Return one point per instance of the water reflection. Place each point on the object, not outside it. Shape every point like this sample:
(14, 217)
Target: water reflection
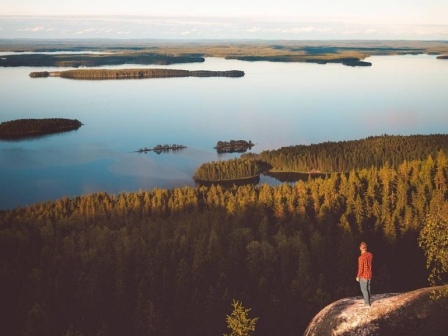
(294, 177)
(229, 184)
(34, 136)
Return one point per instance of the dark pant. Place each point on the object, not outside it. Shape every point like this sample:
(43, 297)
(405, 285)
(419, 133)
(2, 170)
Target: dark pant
(365, 289)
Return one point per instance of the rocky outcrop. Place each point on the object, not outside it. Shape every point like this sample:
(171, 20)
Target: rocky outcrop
(412, 314)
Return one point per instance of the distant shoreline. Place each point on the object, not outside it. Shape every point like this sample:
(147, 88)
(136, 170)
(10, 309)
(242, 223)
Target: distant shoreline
(162, 52)
(348, 61)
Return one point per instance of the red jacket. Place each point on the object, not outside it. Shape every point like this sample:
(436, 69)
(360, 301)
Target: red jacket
(365, 265)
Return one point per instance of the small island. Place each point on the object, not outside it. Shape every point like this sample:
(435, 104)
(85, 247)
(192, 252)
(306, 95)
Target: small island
(233, 146)
(24, 128)
(94, 74)
(161, 148)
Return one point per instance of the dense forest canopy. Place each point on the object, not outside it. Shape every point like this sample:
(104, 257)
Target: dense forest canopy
(326, 158)
(227, 170)
(343, 156)
(170, 262)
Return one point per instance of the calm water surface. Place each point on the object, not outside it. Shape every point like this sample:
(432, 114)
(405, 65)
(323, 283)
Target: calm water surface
(274, 105)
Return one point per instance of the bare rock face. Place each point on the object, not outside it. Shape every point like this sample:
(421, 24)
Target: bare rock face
(411, 314)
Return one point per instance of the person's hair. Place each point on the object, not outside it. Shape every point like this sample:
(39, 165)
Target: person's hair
(363, 245)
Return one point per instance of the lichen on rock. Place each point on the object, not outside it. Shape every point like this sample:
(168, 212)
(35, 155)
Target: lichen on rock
(411, 314)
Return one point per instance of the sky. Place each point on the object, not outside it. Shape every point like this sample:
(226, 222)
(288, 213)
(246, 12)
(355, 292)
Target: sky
(228, 19)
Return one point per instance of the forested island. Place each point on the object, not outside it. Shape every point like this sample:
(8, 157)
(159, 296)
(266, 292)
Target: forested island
(232, 146)
(170, 261)
(161, 148)
(23, 128)
(94, 74)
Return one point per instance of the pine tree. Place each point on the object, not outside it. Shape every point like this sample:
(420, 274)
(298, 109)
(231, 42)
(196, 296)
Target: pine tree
(433, 240)
(239, 322)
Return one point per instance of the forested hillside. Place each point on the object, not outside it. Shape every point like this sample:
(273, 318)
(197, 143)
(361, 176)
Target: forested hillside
(170, 262)
(343, 156)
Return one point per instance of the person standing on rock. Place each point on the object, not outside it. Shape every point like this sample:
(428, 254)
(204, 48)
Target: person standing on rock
(364, 274)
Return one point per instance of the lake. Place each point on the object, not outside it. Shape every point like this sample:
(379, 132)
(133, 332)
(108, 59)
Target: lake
(273, 105)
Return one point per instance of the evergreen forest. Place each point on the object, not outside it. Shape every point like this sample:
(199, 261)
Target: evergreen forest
(343, 156)
(172, 261)
(326, 158)
(227, 170)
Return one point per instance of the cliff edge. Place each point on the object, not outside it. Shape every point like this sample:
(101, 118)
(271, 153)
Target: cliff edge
(412, 314)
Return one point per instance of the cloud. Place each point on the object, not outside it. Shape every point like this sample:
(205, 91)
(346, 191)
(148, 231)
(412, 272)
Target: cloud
(305, 30)
(99, 31)
(351, 32)
(189, 22)
(105, 30)
(191, 31)
(35, 29)
(85, 31)
(31, 29)
(293, 30)
(423, 32)
(254, 30)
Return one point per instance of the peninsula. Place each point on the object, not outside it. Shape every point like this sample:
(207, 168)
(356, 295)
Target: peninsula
(94, 74)
(23, 128)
